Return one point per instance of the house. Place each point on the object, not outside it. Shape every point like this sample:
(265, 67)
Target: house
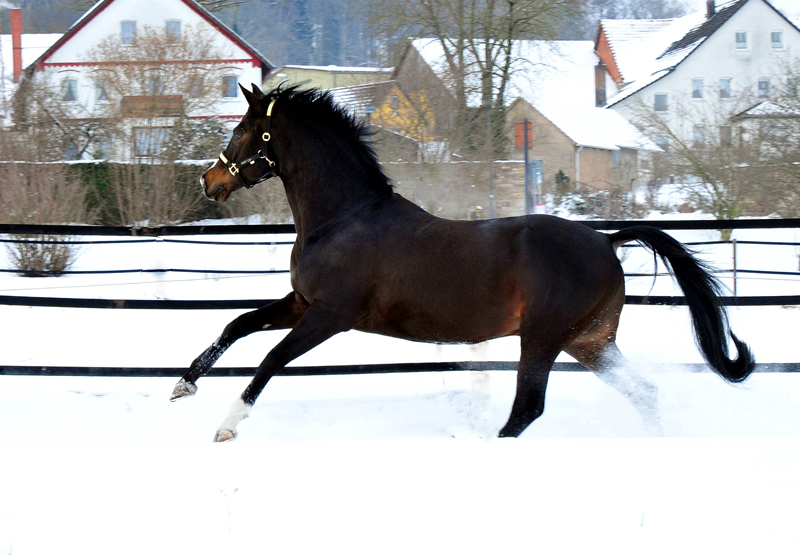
(554, 87)
(211, 57)
(325, 77)
(697, 72)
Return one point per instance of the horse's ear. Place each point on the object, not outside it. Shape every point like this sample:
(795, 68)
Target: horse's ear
(252, 100)
(257, 91)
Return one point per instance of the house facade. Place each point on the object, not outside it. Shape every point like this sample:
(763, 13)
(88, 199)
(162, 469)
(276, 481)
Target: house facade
(695, 73)
(102, 66)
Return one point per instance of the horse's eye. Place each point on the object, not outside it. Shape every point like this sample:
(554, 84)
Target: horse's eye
(237, 135)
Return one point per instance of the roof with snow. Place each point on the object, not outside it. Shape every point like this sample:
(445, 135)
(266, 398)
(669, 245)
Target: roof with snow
(637, 43)
(357, 97)
(33, 45)
(653, 58)
(101, 5)
(543, 72)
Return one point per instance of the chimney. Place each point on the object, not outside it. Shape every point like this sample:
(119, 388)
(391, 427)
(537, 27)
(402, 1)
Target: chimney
(711, 9)
(16, 41)
(600, 84)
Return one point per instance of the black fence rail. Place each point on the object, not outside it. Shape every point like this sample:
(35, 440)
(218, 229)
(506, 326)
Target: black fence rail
(149, 235)
(341, 370)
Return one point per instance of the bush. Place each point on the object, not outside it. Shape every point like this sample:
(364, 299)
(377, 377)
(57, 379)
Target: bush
(40, 193)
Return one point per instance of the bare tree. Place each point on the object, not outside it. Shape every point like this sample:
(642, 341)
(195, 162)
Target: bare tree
(724, 158)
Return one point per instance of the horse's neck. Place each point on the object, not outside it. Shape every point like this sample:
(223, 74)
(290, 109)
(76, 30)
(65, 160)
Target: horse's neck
(321, 189)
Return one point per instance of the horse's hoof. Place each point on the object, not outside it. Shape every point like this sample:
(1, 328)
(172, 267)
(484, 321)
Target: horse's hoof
(224, 435)
(183, 389)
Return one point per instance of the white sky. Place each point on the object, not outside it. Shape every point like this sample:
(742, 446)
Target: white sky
(790, 8)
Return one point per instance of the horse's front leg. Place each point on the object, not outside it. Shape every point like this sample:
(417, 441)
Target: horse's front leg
(280, 314)
(319, 323)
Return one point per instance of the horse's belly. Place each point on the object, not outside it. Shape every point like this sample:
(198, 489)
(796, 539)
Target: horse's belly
(441, 327)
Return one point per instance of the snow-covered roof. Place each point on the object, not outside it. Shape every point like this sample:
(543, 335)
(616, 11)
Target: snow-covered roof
(356, 98)
(33, 45)
(544, 73)
(598, 128)
(556, 78)
(768, 109)
(341, 69)
(637, 43)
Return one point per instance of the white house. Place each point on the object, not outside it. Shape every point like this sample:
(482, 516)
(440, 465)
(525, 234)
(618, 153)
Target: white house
(67, 67)
(688, 69)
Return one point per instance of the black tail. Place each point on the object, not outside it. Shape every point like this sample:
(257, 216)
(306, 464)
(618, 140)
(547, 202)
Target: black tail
(701, 290)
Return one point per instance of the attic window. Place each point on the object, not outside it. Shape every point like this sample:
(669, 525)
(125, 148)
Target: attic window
(660, 104)
(741, 40)
(174, 30)
(128, 32)
(394, 102)
(777, 40)
(69, 89)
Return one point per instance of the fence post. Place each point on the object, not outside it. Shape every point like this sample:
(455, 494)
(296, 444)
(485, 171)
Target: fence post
(734, 268)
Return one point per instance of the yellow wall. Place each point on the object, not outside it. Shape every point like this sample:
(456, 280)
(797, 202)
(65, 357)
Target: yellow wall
(324, 78)
(412, 119)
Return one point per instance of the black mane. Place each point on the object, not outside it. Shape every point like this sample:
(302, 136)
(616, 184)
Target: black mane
(320, 106)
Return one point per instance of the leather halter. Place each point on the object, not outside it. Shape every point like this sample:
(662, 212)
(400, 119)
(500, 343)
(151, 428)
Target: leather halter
(235, 167)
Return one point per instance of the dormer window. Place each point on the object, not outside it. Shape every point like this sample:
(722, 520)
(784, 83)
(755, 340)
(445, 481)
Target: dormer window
(128, 32)
(777, 40)
(741, 40)
(174, 30)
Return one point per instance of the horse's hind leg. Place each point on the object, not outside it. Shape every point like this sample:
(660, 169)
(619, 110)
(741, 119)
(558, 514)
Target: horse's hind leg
(610, 365)
(281, 314)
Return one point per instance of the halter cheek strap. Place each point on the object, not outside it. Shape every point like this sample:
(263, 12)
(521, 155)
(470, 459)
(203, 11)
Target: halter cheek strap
(235, 167)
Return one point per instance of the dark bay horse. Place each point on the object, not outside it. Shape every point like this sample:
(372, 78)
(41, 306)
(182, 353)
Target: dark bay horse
(368, 259)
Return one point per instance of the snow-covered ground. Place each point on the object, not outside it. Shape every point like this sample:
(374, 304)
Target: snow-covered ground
(385, 463)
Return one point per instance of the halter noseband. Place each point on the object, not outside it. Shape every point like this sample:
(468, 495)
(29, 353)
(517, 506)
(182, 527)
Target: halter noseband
(234, 167)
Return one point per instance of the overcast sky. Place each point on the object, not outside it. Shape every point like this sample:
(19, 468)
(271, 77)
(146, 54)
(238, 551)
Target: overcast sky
(790, 8)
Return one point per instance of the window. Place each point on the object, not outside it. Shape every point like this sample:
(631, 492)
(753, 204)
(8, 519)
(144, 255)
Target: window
(763, 87)
(617, 154)
(663, 142)
(697, 88)
(791, 86)
(100, 93)
(394, 102)
(660, 104)
(155, 85)
(726, 135)
(777, 40)
(69, 89)
(149, 141)
(229, 86)
(725, 87)
(741, 40)
(519, 137)
(699, 136)
(174, 30)
(128, 29)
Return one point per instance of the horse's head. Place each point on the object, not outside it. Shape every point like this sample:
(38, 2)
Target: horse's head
(246, 160)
